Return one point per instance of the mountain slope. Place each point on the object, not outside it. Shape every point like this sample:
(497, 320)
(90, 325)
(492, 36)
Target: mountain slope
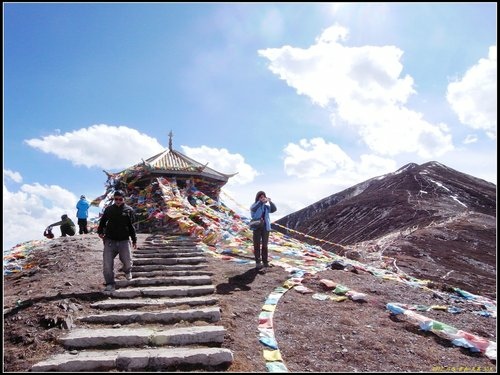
(429, 220)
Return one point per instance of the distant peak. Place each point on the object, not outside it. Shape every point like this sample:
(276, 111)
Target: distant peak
(434, 164)
(407, 167)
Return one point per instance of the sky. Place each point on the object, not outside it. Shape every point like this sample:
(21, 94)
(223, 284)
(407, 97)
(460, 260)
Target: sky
(302, 100)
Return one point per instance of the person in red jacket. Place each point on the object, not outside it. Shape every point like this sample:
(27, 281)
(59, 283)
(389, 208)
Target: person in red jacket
(115, 228)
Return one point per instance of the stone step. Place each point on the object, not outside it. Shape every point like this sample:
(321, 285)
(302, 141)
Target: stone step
(166, 240)
(187, 260)
(171, 245)
(162, 250)
(123, 337)
(163, 291)
(170, 276)
(173, 242)
(110, 304)
(167, 267)
(165, 254)
(207, 314)
(168, 248)
(156, 359)
(169, 280)
(139, 274)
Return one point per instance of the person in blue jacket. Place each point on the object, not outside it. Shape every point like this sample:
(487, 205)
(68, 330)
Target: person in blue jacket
(260, 210)
(82, 214)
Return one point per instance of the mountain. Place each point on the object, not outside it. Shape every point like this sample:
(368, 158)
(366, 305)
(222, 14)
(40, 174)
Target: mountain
(428, 220)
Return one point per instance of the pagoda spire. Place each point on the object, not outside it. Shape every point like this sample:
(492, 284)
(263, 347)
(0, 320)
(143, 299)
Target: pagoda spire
(170, 136)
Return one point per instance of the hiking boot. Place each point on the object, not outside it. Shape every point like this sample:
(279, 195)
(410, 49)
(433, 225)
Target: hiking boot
(258, 264)
(128, 276)
(266, 265)
(109, 288)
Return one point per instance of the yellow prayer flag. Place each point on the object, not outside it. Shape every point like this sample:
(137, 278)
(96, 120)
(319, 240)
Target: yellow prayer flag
(272, 355)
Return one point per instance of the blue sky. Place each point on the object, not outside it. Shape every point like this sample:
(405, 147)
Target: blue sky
(302, 100)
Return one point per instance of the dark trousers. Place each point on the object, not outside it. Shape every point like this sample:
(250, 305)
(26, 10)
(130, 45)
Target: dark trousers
(260, 236)
(67, 230)
(82, 225)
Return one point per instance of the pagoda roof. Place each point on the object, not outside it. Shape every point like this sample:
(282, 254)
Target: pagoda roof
(171, 161)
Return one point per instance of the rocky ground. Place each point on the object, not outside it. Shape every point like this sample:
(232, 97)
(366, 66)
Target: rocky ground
(313, 335)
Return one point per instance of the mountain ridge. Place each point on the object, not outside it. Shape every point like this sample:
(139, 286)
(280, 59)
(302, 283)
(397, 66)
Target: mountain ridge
(415, 216)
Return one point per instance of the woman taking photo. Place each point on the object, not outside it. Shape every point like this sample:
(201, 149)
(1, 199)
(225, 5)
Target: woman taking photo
(260, 210)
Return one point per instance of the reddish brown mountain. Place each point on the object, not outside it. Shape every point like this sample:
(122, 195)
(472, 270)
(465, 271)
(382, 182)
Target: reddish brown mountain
(432, 221)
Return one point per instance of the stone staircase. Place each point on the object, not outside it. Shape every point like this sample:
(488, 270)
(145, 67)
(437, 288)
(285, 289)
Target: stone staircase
(164, 319)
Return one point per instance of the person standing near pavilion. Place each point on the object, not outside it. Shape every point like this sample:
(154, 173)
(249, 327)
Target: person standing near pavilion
(82, 214)
(260, 210)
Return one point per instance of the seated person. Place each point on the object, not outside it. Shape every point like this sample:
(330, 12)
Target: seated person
(67, 226)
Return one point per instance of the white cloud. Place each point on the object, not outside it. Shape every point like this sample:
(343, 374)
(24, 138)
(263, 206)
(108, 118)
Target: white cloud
(392, 131)
(364, 87)
(329, 71)
(313, 158)
(223, 161)
(332, 34)
(371, 166)
(104, 146)
(474, 96)
(296, 192)
(27, 212)
(470, 138)
(318, 170)
(14, 176)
